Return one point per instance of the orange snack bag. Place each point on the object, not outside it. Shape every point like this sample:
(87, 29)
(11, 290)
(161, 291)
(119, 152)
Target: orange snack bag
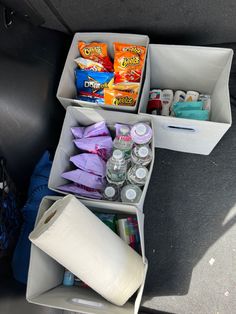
(127, 66)
(92, 50)
(125, 61)
(131, 87)
(140, 50)
(119, 98)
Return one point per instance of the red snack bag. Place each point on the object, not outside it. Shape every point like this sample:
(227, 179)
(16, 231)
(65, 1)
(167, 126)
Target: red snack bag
(106, 63)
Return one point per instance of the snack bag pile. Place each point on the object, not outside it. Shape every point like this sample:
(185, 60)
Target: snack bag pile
(98, 81)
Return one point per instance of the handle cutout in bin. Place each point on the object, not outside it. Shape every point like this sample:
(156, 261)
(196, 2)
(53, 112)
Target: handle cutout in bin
(86, 302)
(181, 128)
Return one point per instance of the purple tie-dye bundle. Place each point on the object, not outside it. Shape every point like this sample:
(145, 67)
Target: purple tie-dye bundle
(89, 179)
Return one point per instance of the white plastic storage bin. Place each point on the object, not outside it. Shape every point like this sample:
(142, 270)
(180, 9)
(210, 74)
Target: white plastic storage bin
(186, 68)
(45, 276)
(66, 92)
(76, 116)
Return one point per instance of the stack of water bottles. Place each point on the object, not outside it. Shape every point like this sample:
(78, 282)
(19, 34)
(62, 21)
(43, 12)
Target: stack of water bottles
(127, 168)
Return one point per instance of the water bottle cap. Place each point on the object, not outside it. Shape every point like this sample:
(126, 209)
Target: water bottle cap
(141, 129)
(141, 173)
(110, 191)
(143, 152)
(118, 154)
(124, 130)
(131, 194)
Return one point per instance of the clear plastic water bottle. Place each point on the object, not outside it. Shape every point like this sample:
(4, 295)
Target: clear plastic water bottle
(137, 175)
(111, 192)
(141, 133)
(131, 194)
(116, 168)
(123, 141)
(141, 155)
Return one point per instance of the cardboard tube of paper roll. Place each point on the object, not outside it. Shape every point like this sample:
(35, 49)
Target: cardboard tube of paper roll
(71, 234)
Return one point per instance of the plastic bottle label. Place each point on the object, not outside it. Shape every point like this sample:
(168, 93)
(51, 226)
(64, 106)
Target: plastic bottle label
(116, 176)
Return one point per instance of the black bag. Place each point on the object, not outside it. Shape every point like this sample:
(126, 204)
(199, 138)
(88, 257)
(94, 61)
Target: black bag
(10, 217)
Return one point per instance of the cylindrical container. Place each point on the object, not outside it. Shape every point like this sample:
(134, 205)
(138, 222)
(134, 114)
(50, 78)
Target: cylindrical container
(154, 104)
(131, 193)
(116, 168)
(141, 133)
(137, 175)
(111, 192)
(178, 97)
(191, 96)
(73, 236)
(68, 279)
(123, 141)
(166, 100)
(206, 101)
(141, 155)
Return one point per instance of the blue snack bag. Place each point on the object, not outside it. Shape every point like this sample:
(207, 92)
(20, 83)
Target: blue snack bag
(91, 83)
(96, 100)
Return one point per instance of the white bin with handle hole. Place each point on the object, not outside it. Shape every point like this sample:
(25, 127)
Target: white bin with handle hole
(202, 69)
(45, 276)
(66, 92)
(76, 116)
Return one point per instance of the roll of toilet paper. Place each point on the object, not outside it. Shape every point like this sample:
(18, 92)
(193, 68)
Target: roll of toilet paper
(71, 234)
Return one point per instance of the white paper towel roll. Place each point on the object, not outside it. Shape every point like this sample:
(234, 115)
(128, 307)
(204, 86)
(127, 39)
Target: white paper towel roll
(71, 234)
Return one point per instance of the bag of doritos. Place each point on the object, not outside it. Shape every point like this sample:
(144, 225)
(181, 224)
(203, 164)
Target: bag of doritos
(119, 98)
(140, 50)
(91, 83)
(127, 67)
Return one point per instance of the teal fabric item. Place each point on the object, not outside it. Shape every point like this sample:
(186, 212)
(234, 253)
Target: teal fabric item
(193, 114)
(188, 105)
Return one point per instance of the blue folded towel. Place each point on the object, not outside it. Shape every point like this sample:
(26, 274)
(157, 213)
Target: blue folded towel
(37, 190)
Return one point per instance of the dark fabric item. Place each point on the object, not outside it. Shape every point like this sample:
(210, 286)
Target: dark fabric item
(166, 21)
(37, 190)
(31, 61)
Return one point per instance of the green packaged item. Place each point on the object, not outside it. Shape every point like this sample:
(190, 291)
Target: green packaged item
(193, 114)
(188, 105)
(108, 219)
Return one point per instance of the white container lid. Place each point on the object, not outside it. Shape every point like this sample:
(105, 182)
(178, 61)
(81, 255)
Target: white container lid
(110, 191)
(141, 173)
(141, 129)
(118, 154)
(130, 194)
(143, 152)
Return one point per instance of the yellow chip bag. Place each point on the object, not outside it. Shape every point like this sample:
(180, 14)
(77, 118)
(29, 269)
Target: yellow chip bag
(131, 87)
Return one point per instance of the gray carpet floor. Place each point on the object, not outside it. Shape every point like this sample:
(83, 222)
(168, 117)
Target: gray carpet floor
(190, 235)
(190, 231)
